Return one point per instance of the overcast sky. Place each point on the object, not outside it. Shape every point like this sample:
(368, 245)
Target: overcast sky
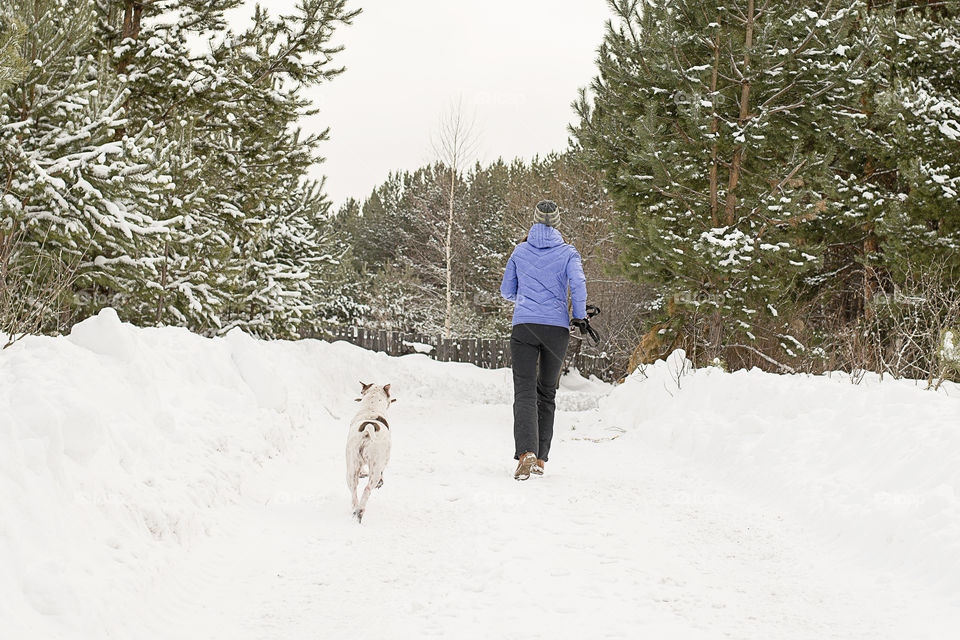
(516, 65)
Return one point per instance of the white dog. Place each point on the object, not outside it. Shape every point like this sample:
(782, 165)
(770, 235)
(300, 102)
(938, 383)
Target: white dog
(368, 443)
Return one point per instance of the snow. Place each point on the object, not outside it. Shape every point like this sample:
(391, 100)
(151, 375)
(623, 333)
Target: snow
(948, 129)
(157, 484)
(950, 350)
(418, 347)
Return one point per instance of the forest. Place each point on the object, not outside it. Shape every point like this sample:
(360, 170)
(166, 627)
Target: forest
(769, 184)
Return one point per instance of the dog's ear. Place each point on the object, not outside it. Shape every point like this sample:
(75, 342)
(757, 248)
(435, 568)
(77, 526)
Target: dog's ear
(386, 389)
(365, 386)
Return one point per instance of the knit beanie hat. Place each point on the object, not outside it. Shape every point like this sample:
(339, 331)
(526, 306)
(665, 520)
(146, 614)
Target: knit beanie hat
(547, 212)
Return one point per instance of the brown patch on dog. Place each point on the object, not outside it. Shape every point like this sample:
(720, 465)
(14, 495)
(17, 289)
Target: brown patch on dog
(376, 425)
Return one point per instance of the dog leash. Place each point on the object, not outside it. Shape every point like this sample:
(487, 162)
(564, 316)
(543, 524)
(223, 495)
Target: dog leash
(584, 326)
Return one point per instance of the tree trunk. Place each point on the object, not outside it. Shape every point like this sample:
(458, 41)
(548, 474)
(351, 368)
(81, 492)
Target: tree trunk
(449, 310)
(731, 205)
(163, 281)
(714, 127)
(870, 283)
(132, 13)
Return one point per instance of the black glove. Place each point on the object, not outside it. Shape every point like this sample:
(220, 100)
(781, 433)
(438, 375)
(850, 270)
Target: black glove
(585, 329)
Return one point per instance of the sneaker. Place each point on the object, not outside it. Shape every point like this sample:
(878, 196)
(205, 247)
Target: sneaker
(537, 469)
(526, 463)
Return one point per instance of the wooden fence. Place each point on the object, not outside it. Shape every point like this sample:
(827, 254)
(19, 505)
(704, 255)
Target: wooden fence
(484, 352)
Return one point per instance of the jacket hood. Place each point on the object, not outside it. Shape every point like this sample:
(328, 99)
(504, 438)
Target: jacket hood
(543, 237)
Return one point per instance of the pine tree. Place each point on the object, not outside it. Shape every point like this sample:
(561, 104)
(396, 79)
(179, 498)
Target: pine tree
(394, 242)
(245, 248)
(901, 169)
(169, 88)
(12, 66)
(82, 183)
(892, 263)
(712, 123)
(373, 228)
(484, 249)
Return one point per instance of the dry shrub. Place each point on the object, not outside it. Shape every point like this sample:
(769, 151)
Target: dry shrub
(899, 331)
(35, 288)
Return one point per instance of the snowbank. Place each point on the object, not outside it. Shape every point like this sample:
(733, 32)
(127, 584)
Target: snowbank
(117, 442)
(873, 464)
(120, 448)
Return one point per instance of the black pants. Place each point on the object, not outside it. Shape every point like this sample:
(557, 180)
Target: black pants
(535, 387)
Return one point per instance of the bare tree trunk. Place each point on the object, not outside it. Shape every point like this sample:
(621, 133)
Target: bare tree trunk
(455, 141)
(132, 13)
(731, 205)
(714, 128)
(449, 262)
(870, 247)
(163, 281)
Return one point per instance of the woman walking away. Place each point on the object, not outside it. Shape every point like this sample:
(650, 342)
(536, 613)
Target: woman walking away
(536, 280)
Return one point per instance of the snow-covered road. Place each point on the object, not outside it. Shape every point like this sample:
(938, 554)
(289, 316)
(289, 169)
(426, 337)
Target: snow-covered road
(633, 531)
(614, 541)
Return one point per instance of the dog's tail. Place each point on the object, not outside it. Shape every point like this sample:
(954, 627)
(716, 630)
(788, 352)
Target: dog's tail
(365, 427)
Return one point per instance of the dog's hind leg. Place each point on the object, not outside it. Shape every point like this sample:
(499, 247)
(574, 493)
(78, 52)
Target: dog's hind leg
(372, 481)
(352, 485)
(353, 479)
(359, 511)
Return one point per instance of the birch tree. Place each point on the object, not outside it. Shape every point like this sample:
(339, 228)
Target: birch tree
(454, 144)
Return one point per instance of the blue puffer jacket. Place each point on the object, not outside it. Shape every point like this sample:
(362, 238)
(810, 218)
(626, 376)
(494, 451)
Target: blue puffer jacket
(537, 276)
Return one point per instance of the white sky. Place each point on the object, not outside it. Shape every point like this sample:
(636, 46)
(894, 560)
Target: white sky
(516, 65)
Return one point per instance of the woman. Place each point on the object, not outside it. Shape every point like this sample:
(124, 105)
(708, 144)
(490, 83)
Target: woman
(536, 280)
